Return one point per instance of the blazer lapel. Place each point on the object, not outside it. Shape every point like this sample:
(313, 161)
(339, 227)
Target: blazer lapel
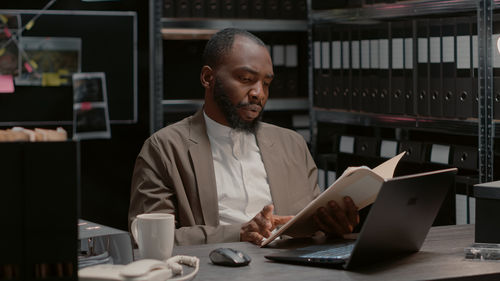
(201, 156)
(274, 167)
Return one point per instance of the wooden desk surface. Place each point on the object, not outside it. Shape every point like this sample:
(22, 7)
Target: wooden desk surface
(441, 257)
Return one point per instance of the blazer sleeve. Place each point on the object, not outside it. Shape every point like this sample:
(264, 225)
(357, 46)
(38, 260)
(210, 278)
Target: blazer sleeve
(154, 191)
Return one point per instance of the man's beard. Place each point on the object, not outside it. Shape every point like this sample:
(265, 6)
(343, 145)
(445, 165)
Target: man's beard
(230, 111)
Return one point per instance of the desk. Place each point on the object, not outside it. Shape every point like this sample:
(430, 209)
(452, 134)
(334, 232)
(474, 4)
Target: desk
(441, 257)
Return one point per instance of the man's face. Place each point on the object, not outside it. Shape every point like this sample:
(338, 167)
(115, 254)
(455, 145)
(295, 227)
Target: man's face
(241, 86)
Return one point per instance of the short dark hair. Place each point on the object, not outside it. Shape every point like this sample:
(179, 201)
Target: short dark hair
(221, 43)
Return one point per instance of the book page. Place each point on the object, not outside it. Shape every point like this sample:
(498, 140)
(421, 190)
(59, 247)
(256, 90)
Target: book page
(360, 183)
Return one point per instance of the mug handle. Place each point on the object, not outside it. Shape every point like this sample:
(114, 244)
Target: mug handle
(133, 229)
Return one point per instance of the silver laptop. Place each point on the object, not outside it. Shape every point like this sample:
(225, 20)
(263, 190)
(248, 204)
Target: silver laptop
(397, 224)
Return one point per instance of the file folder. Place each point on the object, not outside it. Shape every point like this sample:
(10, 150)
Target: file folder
(287, 9)
(316, 54)
(243, 8)
(183, 9)
(410, 61)
(168, 8)
(464, 73)
(435, 56)
(398, 67)
(257, 8)
(212, 8)
(198, 9)
(423, 67)
(228, 8)
(356, 74)
(449, 67)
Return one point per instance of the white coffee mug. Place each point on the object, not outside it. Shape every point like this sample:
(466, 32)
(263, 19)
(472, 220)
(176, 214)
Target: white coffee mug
(154, 234)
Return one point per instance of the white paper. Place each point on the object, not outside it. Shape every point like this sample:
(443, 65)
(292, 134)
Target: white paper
(397, 53)
(475, 54)
(435, 49)
(448, 49)
(346, 55)
(383, 45)
(336, 55)
(325, 55)
(388, 148)
(461, 209)
(365, 54)
(291, 57)
(317, 54)
(463, 52)
(346, 144)
(355, 54)
(494, 48)
(374, 54)
(408, 53)
(423, 54)
(440, 153)
(278, 55)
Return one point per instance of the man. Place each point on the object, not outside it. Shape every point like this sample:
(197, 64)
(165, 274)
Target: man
(224, 174)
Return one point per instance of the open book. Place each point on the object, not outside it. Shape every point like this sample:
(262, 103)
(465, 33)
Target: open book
(362, 184)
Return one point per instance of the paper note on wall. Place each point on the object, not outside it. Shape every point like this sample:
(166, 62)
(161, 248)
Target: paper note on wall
(6, 84)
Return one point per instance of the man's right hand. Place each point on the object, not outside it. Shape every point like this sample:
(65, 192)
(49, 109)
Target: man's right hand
(261, 225)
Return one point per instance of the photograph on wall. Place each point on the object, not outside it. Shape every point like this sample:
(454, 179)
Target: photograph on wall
(90, 106)
(49, 61)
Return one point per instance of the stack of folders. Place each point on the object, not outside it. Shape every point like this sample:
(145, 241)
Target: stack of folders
(423, 67)
(259, 9)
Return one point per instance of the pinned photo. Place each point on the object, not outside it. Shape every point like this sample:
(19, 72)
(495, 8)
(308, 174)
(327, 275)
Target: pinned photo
(90, 106)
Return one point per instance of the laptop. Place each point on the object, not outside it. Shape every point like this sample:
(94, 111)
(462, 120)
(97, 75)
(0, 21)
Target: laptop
(397, 224)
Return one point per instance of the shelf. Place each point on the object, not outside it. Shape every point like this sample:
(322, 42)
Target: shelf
(198, 29)
(441, 125)
(394, 10)
(284, 104)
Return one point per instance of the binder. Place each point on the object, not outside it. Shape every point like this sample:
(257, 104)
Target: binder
(415, 151)
(227, 8)
(316, 55)
(435, 56)
(423, 67)
(449, 67)
(496, 66)
(475, 64)
(356, 77)
(301, 9)
(384, 72)
(366, 146)
(410, 61)
(212, 8)
(465, 157)
(291, 69)
(326, 78)
(198, 9)
(278, 56)
(183, 9)
(257, 9)
(346, 91)
(464, 71)
(287, 9)
(168, 8)
(272, 9)
(243, 8)
(369, 82)
(336, 68)
(398, 35)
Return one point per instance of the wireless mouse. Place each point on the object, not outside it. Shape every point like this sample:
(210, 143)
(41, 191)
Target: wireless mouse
(229, 257)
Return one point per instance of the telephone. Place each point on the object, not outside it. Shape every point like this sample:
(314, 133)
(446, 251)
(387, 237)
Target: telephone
(141, 270)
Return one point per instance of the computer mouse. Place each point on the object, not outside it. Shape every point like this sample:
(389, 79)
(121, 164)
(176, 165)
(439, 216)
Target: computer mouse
(229, 257)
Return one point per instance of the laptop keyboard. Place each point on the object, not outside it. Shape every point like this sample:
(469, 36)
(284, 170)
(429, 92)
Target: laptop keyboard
(342, 252)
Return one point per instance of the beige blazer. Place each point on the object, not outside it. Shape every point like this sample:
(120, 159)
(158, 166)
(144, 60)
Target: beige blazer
(174, 173)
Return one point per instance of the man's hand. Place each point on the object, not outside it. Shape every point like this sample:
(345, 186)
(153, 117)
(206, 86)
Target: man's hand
(261, 225)
(335, 220)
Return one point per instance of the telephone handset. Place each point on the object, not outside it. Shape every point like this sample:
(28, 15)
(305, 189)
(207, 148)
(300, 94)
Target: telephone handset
(141, 270)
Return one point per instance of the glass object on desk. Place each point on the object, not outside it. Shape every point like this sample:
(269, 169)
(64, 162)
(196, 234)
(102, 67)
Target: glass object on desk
(483, 252)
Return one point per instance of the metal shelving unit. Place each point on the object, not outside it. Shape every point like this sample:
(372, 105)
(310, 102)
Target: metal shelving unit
(483, 127)
(202, 29)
